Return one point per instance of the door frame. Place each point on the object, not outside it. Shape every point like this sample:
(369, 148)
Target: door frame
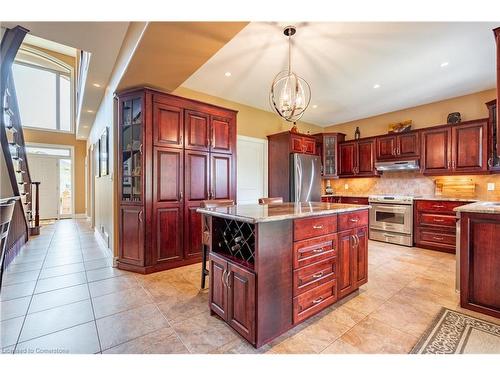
(72, 157)
(265, 165)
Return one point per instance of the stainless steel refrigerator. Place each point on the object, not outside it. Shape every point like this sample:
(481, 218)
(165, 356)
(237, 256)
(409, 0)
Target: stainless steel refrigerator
(305, 178)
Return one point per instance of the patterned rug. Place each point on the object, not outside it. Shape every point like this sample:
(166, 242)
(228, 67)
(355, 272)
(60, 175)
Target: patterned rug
(456, 333)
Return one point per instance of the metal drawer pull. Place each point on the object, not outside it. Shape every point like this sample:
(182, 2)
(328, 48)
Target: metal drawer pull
(438, 238)
(223, 278)
(317, 226)
(320, 250)
(317, 275)
(316, 301)
(388, 235)
(438, 206)
(439, 220)
(353, 220)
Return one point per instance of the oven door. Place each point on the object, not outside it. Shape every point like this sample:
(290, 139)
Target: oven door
(391, 217)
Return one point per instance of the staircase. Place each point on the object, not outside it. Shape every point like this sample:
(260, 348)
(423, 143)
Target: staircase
(25, 221)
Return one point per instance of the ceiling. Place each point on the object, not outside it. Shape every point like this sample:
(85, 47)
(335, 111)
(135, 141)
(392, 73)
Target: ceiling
(344, 61)
(169, 52)
(102, 39)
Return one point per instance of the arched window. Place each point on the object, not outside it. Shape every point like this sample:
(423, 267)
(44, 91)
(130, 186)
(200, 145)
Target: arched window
(44, 90)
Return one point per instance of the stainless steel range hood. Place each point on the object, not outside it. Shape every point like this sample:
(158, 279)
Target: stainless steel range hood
(401, 165)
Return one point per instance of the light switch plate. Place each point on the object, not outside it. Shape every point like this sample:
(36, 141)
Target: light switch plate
(491, 186)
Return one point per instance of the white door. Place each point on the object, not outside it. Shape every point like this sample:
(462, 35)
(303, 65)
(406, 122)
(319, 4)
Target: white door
(45, 169)
(252, 169)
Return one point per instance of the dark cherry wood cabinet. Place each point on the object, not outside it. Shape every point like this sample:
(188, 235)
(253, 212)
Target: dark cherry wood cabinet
(327, 148)
(435, 224)
(398, 146)
(357, 158)
(460, 149)
(175, 153)
(493, 137)
(470, 147)
(280, 146)
(480, 262)
(436, 151)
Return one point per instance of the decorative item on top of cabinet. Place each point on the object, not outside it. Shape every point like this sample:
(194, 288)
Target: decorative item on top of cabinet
(357, 158)
(456, 149)
(454, 118)
(327, 146)
(175, 153)
(357, 133)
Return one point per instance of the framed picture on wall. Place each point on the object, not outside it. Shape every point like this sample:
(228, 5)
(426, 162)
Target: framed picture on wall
(104, 153)
(95, 155)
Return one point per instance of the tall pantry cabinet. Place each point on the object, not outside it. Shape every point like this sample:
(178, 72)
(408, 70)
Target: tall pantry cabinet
(173, 154)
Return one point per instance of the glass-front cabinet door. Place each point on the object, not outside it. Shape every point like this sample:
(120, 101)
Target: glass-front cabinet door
(330, 156)
(131, 127)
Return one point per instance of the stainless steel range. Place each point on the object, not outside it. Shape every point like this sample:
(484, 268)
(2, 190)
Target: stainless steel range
(391, 219)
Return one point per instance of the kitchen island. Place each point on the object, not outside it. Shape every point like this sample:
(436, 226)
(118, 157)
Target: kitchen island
(274, 266)
(478, 257)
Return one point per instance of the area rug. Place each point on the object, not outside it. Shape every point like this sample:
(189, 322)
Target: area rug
(456, 333)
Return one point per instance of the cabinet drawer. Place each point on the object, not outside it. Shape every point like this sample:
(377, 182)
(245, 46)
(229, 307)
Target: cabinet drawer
(435, 219)
(353, 220)
(354, 200)
(313, 301)
(314, 227)
(438, 206)
(436, 237)
(311, 276)
(311, 251)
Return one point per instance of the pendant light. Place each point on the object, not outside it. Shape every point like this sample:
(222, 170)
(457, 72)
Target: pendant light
(290, 94)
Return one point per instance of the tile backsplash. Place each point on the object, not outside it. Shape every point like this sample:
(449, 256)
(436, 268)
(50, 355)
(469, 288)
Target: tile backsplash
(412, 183)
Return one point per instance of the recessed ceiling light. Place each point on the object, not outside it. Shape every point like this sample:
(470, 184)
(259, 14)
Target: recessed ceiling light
(96, 85)
(85, 126)
(376, 86)
(227, 74)
(315, 106)
(90, 111)
(443, 64)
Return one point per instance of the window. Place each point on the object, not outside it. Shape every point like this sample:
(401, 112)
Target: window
(48, 151)
(44, 97)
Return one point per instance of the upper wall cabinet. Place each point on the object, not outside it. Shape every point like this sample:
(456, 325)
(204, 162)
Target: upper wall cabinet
(169, 127)
(398, 146)
(460, 148)
(357, 158)
(327, 147)
(205, 132)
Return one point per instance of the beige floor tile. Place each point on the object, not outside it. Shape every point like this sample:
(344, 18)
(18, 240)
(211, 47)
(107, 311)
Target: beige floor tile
(204, 333)
(296, 344)
(341, 347)
(364, 303)
(58, 297)
(9, 331)
(56, 319)
(14, 308)
(105, 273)
(64, 342)
(20, 277)
(61, 270)
(115, 284)
(240, 346)
(113, 303)
(163, 341)
(128, 325)
(17, 290)
(59, 282)
(184, 305)
(374, 336)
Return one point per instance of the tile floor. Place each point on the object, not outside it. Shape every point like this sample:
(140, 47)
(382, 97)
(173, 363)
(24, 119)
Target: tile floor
(61, 295)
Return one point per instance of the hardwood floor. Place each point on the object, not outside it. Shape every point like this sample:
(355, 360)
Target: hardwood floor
(62, 295)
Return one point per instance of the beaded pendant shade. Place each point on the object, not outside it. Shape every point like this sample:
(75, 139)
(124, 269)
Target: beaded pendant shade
(290, 94)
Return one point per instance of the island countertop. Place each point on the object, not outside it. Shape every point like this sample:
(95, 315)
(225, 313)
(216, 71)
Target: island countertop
(480, 207)
(256, 213)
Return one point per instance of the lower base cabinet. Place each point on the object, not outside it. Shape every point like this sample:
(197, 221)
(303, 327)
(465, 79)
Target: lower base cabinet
(480, 263)
(296, 269)
(232, 295)
(353, 260)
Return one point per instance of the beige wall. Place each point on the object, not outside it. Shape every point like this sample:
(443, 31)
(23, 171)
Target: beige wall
(55, 138)
(470, 106)
(252, 122)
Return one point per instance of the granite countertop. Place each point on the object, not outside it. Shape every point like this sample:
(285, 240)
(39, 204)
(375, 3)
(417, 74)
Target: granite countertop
(444, 198)
(256, 213)
(480, 207)
(347, 195)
